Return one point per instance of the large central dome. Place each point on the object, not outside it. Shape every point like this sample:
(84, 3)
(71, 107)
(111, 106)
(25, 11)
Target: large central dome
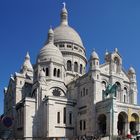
(64, 33)
(71, 46)
(67, 34)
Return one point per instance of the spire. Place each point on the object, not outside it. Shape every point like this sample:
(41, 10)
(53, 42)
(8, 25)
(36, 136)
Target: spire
(106, 52)
(27, 63)
(50, 35)
(27, 57)
(116, 49)
(64, 15)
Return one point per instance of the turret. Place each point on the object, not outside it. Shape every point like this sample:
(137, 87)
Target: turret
(94, 61)
(133, 85)
(27, 68)
(95, 72)
(132, 74)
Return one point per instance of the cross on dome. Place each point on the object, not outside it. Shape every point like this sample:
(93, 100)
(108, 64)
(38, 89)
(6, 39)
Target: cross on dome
(64, 5)
(64, 15)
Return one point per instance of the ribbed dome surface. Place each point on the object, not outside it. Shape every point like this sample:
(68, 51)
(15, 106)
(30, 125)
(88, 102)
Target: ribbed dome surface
(68, 34)
(51, 52)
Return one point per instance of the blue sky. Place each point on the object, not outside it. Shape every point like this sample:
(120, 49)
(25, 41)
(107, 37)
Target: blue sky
(102, 24)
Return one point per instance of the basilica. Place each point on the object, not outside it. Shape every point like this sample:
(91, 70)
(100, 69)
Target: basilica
(57, 98)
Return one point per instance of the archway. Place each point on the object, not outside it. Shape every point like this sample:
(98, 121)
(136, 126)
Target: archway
(122, 122)
(134, 124)
(102, 124)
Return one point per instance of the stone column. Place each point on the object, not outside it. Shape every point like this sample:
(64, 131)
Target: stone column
(51, 70)
(72, 66)
(128, 127)
(115, 123)
(62, 73)
(108, 123)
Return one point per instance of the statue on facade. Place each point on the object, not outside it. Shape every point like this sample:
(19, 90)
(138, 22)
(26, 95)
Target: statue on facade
(110, 90)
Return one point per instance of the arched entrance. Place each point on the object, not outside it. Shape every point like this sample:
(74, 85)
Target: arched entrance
(134, 124)
(102, 124)
(122, 123)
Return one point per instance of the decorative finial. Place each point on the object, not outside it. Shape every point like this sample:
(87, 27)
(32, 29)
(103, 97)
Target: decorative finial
(27, 55)
(64, 5)
(116, 49)
(50, 36)
(50, 30)
(64, 15)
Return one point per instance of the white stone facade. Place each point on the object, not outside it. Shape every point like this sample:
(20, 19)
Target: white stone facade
(57, 99)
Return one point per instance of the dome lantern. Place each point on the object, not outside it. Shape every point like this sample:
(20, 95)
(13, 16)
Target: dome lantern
(50, 36)
(64, 15)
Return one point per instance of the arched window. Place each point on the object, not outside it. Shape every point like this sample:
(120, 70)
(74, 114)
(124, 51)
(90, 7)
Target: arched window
(97, 76)
(103, 86)
(47, 71)
(117, 63)
(116, 60)
(58, 73)
(70, 118)
(125, 95)
(54, 72)
(75, 66)
(84, 125)
(81, 68)
(69, 68)
(84, 91)
(118, 93)
(64, 115)
(58, 117)
(81, 124)
(97, 63)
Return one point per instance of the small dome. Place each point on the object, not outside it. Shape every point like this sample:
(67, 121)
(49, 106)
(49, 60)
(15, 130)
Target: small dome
(94, 55)
(67, 34)
(132, 70)
(50, 52)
